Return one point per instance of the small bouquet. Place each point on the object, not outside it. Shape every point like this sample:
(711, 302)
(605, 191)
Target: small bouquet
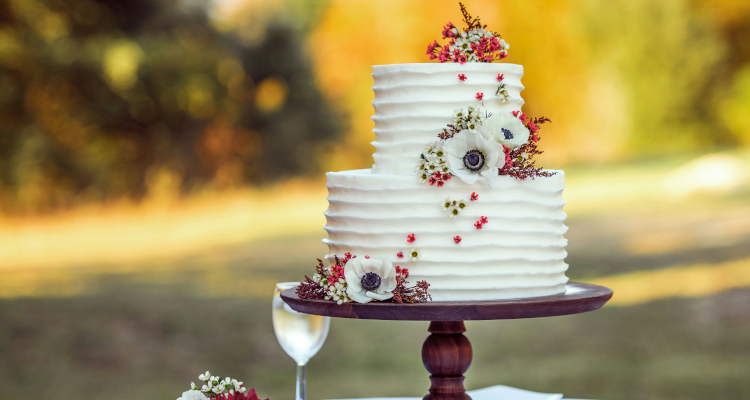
(215, 388)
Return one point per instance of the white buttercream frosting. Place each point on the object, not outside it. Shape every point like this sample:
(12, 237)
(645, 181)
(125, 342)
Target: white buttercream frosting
(519, 253)
(414, 102)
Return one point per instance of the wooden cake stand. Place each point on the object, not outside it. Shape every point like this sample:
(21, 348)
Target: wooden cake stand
(447, 352)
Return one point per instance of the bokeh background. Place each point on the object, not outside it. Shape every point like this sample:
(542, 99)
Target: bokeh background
(162, 161)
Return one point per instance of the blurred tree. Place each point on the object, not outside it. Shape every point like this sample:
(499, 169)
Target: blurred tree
(128, 98)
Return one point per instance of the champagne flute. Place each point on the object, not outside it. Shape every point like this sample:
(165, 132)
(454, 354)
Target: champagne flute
(300, 335)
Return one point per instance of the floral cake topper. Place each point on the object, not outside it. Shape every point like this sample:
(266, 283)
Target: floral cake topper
(474, 44)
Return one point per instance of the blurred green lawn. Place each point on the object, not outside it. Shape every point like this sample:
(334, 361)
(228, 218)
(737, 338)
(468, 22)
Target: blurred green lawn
(146, 332)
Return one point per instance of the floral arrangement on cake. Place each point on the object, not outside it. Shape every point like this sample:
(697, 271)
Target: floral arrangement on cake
(480, 145)
(362, 280)
(474, 44)
(215, 388)
(489, 146)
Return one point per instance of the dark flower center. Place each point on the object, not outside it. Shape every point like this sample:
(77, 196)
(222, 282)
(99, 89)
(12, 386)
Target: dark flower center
(474, 160)
(507, 133)
(370, 281)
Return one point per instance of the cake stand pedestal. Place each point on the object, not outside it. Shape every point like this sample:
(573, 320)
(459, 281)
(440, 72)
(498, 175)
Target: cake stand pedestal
(447, 353)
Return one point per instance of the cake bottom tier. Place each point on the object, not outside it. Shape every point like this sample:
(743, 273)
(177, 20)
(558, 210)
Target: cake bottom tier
(518, 253)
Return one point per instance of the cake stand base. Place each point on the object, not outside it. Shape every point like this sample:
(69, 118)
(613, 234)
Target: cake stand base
(447, 356)
(447, 353)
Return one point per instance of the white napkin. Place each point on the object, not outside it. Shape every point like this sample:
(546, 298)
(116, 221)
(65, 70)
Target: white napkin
(498, 392)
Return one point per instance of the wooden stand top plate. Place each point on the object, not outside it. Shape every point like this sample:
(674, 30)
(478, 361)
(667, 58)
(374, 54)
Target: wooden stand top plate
(578, 298)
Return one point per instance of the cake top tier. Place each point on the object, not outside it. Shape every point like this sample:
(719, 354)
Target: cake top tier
(472, 104)
(415, 102)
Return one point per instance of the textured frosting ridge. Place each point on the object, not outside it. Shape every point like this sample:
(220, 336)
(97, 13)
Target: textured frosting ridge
(414, 102)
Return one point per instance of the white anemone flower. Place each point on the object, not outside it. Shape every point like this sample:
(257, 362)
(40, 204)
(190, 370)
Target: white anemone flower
(470, 156)
(192, 395)
(506, 129)
(369, 279)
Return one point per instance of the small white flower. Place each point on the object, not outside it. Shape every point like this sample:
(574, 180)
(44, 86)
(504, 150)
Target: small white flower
(462, 205)
(420, 165)
(447, 204)
(205, 388)
(430, 148)
(454, 211)
(504, 45)
(414, 253)
(472, 126)
(424, 177)
(205, 377)
(193, 395)
(444, 168)
(440, 160)
(440, 153)
(432, 167)
(458, 114)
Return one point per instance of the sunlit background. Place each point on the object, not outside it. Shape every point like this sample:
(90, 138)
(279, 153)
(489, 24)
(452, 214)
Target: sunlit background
(162, 166)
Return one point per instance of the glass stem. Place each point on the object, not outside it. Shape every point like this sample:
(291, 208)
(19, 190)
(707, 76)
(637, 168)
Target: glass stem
(301, 382)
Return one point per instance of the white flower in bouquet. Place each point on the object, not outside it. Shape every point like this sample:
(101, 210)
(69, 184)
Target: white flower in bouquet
(370, 279)
(458, 115)
(506, 129)
(470, 156)
(193, 395)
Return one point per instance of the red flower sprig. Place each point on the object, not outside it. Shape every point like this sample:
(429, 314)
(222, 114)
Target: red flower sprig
(474, 196)
(479, 96)
(486, 48)
(405, 294)
(400, 254)
(462, 77)
(478, 225)
(457, 239)
(410, 238)
(520, 163)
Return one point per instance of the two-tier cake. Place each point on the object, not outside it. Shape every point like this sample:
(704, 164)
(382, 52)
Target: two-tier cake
(454, 198)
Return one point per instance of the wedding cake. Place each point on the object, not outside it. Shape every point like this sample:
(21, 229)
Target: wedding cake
(454, 197)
